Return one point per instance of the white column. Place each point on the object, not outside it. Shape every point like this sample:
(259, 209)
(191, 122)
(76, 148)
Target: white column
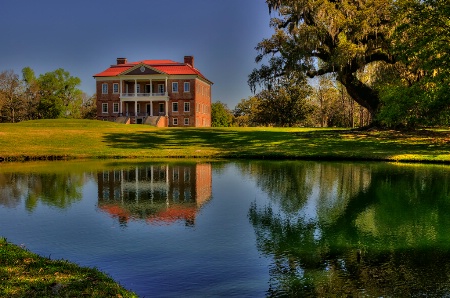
(151, 87)
(135, 87)
(135, 110)
(165, 89)
(167, 107)
(151, 107)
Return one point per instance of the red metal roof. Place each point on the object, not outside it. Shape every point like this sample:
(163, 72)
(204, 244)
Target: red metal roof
(166, 66)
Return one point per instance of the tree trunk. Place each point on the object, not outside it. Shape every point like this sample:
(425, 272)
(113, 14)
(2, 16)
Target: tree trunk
(361, 93)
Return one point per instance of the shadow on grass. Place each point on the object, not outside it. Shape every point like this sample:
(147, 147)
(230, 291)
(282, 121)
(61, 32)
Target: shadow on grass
(223, 140)
(279, 143)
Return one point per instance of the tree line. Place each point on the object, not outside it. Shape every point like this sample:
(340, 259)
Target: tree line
(324, 103)
(54, 94)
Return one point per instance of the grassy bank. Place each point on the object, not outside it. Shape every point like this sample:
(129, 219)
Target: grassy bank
(25, 274)
(50, 139)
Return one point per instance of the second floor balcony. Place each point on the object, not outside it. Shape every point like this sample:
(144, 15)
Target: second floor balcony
(144, 96)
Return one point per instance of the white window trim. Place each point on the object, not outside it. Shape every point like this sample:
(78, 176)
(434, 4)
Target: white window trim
(186, 121)
(115, 104)
(173, 105)
(161, 88)
(175, 121)
(105, 88)
(173, 87)
(187, 104)
(114, 88)
(188, 89)
(105, 104)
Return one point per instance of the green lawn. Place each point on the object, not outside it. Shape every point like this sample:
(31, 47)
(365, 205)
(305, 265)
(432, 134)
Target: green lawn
(48, 139)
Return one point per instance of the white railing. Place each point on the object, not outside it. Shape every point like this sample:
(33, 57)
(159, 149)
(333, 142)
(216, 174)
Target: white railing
(143, 94)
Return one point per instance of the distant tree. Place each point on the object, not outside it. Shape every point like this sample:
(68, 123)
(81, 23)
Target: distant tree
(324, 94)
(246, 112)
(286, 103)
(89, 107)
(31, 93)
(59, 95)
(221, 115)
(11, 96)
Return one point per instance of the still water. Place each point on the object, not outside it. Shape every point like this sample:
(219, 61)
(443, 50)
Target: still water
(243, 229)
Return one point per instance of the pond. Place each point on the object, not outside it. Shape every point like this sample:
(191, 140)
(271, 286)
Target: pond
(242, 228)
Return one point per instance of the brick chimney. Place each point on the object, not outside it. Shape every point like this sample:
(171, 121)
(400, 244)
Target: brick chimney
(189, 60)
(121, 61)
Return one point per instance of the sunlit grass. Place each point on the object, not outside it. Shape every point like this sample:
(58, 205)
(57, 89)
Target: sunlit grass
(65, 139)
(24, 274)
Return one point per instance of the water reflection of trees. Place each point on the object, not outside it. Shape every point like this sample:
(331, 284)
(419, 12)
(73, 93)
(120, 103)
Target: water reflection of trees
(58, 190)
(380, 230)
(156, 193)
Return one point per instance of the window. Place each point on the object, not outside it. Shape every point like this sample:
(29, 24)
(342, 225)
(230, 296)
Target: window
(115, 88)
(186, 121)
(104, 108)
(138, 108)
(116, 107)
(161, 108)
(175, 87)
(161, 88)
(174, 106)
(104, 88)
(175, 121)
(186, 107)
(138, 89)
(187, 87)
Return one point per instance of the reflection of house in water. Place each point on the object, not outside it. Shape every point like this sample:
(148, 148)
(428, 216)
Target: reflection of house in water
(158, 193)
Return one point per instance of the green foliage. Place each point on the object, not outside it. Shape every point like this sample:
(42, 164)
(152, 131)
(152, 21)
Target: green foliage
(246, 112)
(51, 95)
(419, 95)
(60, 96)
(221, 115)
(286, 104)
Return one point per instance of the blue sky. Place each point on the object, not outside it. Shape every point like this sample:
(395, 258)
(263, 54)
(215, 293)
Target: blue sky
(86, 36)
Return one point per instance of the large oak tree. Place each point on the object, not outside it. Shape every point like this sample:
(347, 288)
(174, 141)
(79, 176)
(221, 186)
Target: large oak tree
(327, 36)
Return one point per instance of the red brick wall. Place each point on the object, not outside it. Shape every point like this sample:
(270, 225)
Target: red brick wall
(203, 104)
(108, 98)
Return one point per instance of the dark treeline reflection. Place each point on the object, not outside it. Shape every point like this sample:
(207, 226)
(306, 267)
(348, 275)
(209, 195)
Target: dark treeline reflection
(156, 193)
(354, 229)
(58, 190)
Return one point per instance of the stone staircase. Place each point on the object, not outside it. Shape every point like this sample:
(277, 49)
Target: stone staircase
(123, 120)
(152, 120)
